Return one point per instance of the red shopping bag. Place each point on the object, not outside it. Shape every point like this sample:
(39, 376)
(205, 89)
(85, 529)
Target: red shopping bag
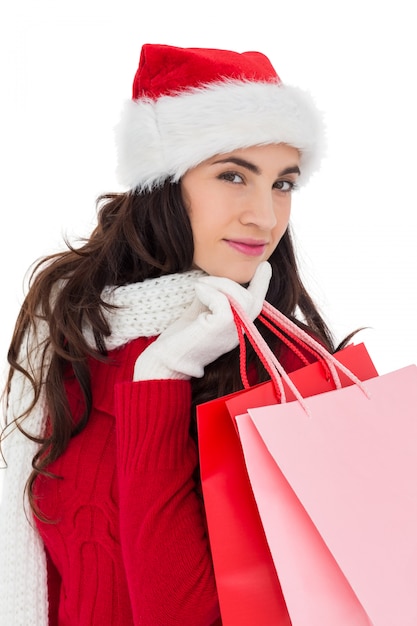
(334, 479)
(248, 586)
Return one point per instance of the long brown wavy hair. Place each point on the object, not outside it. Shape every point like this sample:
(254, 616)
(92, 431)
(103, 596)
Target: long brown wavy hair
(138, 236)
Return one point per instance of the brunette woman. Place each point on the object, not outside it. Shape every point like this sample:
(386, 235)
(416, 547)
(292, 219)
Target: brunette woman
(120, 337)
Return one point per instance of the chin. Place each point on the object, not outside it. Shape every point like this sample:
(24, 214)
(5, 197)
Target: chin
(243, 276)
(241, 273)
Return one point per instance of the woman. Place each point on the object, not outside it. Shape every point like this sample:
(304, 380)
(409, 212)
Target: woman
(118, 341)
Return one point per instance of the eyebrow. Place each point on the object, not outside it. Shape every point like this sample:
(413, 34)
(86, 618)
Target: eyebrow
(254, 168)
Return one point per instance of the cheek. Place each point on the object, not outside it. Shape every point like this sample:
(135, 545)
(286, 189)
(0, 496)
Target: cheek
(200, 228)
(208, 219)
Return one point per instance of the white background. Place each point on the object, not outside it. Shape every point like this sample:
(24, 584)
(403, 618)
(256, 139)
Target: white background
(66, 69)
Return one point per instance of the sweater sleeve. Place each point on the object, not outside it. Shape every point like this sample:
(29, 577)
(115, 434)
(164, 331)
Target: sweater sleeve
(54, 588)
(164, 541)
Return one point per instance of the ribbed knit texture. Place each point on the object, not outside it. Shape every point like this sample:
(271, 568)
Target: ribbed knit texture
(146, 309)
(130, 541)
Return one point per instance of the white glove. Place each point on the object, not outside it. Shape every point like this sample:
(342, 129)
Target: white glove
(205, 331)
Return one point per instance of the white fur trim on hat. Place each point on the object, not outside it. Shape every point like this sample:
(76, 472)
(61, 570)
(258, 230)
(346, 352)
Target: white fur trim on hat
(163, 138)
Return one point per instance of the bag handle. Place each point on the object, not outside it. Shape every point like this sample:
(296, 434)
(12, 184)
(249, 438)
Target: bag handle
(274, 368)
(289, 339)
(306, 340)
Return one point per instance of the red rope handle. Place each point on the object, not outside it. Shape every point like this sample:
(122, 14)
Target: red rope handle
(294, 330)
(290, 343)
(242, 350)
(332, 362)
(271, 363)
(261, 348)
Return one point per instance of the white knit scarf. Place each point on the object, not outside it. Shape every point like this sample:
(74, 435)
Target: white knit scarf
(143, 310)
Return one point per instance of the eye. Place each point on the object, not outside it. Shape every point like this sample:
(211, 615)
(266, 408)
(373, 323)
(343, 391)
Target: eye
(285, 185)
(231, 177)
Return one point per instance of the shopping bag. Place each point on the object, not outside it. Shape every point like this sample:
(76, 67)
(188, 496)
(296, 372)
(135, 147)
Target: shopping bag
(334, 479)
(248, 586)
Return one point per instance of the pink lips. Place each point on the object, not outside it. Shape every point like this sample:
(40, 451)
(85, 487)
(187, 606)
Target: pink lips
(250, 247)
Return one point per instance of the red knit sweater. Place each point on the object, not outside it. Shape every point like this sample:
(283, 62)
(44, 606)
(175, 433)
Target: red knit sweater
(128, 544)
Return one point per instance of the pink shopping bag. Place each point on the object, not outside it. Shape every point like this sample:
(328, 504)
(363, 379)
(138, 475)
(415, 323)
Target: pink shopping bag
(334, 477)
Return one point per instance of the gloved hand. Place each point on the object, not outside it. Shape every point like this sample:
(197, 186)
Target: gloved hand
(205, 331)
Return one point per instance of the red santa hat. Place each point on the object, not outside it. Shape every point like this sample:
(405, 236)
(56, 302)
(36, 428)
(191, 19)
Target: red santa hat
(189, 104)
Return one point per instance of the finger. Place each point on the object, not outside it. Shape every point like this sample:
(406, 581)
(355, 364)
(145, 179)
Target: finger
(210, 295)
(226, 286)
(259, 284)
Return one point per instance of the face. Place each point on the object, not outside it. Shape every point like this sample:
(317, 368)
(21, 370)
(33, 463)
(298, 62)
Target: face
(239, 207)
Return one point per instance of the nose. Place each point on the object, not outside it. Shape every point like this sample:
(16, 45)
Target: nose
(260, 209)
